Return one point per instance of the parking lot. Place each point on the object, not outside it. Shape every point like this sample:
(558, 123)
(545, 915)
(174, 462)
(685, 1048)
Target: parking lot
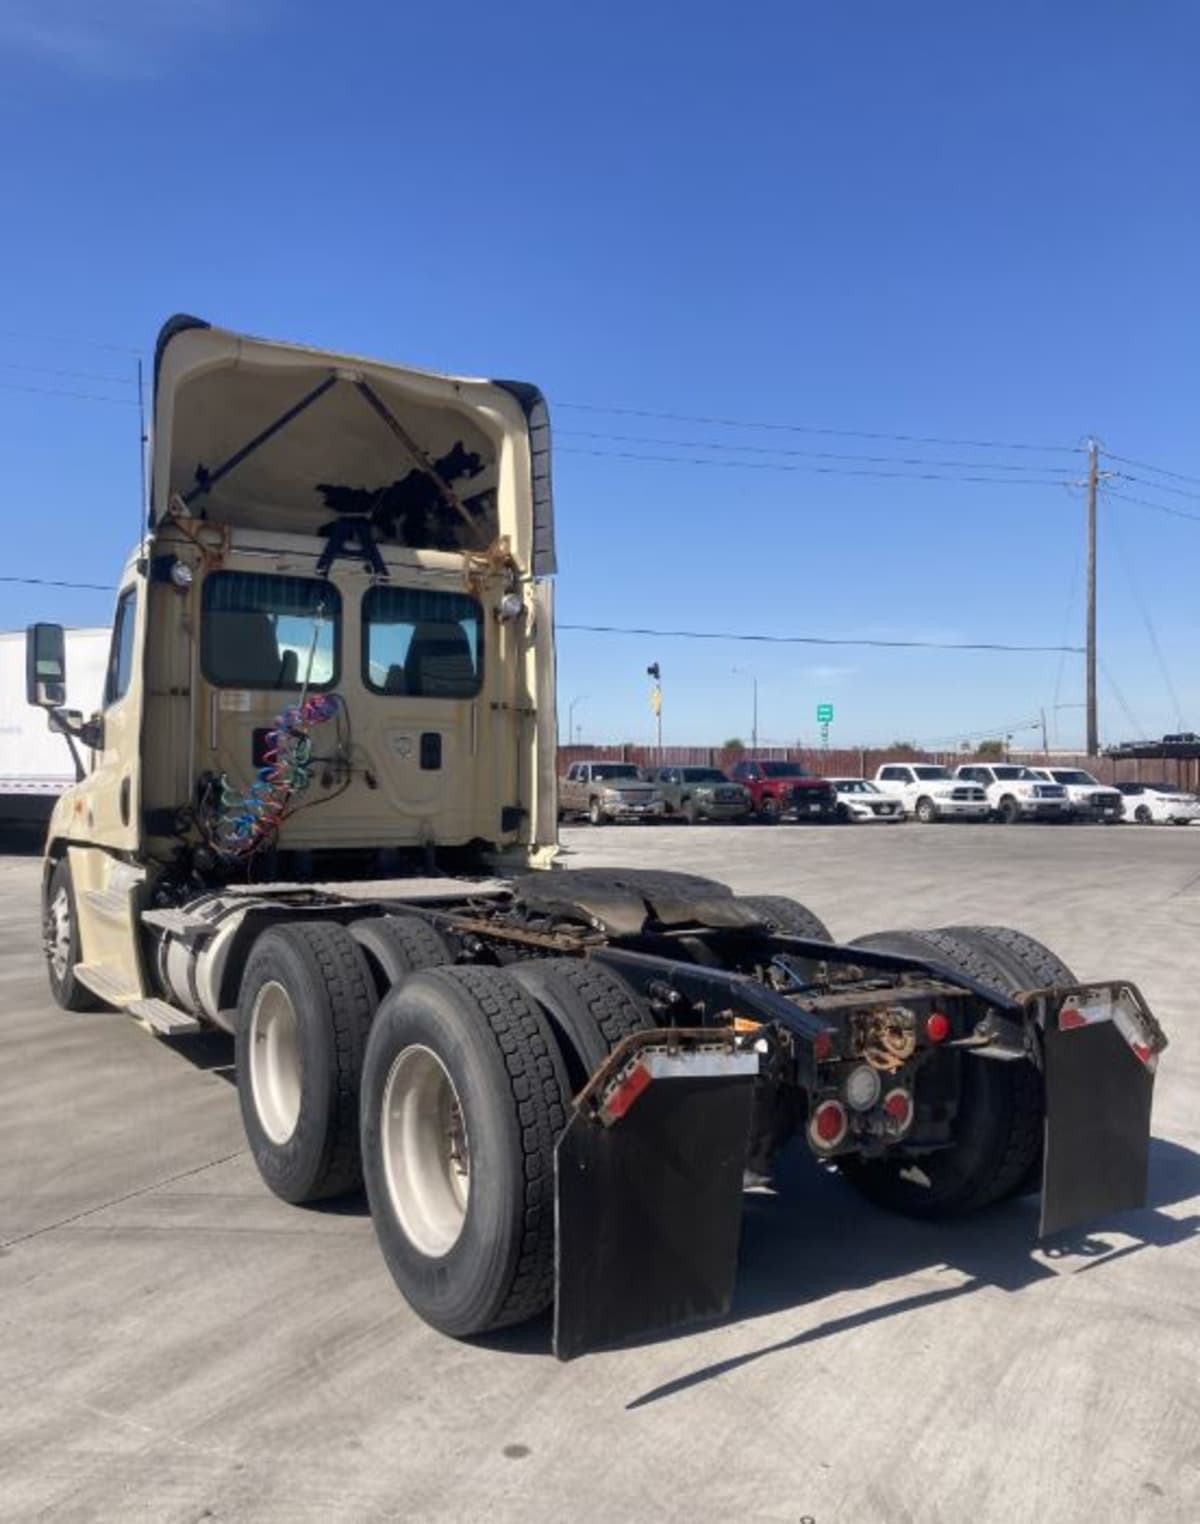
(177, 1344)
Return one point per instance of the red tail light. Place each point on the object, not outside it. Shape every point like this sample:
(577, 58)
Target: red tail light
(898, 1107)
(827, 1125)
(937, 1026)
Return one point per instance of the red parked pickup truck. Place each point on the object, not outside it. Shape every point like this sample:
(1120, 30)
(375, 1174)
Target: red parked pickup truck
(778, 789)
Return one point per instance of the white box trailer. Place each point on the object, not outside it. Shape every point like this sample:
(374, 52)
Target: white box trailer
(35, 763)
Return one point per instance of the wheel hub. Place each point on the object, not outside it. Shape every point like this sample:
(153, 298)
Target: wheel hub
(426, 1152)
(57, 934)
(276, 1074)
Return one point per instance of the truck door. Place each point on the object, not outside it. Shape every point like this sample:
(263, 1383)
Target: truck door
(109, 801)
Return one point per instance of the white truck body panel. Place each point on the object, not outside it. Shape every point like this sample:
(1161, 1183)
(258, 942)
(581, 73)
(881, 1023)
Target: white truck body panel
(35, 763)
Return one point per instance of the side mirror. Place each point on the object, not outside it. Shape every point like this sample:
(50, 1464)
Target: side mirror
(45, 666)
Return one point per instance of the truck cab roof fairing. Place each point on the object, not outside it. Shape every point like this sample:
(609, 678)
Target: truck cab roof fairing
(279, 436)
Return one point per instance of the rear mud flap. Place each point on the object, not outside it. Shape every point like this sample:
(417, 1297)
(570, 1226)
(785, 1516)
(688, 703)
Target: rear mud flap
(649, 1210)
(1101, 1048)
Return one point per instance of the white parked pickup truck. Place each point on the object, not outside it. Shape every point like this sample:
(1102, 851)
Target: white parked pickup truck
(1015, 792)
(932, 793)
(1089, 798)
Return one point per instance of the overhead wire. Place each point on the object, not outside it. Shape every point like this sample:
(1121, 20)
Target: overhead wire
(92, 587)
(55, 391)
(814, 640)
(756, 465)
(752, 449)
(1141, 502)
(1145, 465)
(1142, 481)
(1143, 607)
(805, 428)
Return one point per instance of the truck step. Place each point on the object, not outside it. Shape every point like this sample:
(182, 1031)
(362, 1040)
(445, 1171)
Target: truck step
(106, 983)
(162, 1017)
(111, 903)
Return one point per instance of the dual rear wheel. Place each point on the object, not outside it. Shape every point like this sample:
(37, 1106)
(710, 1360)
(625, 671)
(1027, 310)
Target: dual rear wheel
(445, 1099)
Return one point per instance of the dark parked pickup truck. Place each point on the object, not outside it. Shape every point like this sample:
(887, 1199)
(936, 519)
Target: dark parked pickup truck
(701, 793)
(779, 789)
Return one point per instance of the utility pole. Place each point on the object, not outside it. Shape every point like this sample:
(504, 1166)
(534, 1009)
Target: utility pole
(1093, 482)
(654, 670)
(1045, 742)
(754, 723)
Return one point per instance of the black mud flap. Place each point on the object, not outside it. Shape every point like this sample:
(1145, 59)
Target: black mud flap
(1101, 1047)
(649, 1205)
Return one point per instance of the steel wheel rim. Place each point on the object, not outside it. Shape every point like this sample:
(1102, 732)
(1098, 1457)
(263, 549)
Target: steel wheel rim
(58, 934)
(426, 1155)
(276, 1070)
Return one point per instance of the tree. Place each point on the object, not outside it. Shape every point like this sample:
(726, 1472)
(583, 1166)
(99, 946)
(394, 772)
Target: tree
(902, 746)
(992, 749)
(735, 743)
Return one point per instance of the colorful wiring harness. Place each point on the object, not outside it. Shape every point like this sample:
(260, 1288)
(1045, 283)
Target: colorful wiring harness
(250, 820)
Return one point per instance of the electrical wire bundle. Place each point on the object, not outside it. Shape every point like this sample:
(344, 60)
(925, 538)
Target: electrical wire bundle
(248, 821)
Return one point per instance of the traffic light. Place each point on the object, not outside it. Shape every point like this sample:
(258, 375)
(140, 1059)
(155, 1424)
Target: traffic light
(654, 672)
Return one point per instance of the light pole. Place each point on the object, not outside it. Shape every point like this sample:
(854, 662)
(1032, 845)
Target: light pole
(754, 727)
(579, 699)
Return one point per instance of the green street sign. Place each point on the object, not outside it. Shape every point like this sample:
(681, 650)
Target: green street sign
(824, 714)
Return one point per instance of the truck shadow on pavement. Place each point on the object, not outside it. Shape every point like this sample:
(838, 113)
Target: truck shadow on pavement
(815, 1237)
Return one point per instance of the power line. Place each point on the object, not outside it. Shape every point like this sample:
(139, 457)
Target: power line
(93, 587)
(765, 465)
(55, 391)
(750, 449)
(804, 428)
(1157, 486)
(815, 640)
(47, 338)
(1141, 502)
(74, 375)
(1144, 465)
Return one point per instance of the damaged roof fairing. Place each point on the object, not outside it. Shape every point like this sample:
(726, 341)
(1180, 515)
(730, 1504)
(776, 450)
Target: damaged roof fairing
(280, 437)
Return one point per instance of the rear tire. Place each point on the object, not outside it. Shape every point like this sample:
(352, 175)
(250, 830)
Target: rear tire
(464, 1096)
(304, 1011)
(60, 943)
(398, 945)
(782, 913)
(589, 1009)
(999, 1123)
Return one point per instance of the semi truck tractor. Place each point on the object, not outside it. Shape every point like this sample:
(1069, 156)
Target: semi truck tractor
(322, 816)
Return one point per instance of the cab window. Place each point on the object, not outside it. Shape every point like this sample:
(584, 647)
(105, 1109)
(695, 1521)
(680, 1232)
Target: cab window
(120, 657)
(422, 643)
(264, 631)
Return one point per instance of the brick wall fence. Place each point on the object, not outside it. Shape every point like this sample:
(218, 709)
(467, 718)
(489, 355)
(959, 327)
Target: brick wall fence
(861, 761)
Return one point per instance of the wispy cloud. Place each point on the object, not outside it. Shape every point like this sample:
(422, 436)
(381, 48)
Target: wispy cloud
(118, 39)
(829, 674)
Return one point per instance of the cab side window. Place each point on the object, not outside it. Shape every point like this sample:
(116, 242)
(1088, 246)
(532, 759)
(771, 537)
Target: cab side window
(120, 656)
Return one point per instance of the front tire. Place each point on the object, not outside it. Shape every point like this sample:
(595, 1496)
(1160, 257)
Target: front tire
(1009, 812)
(305, 1007)
(926, 812)
(464, 1096)
(1144, 815)
(596, 813)
(769, 810)
(60, 943)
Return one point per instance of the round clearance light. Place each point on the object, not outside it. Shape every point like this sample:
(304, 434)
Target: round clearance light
(511, 607)
(181, 575)
(937, 1026)
(862, 1088)
(827, 1125)
(898, 1107)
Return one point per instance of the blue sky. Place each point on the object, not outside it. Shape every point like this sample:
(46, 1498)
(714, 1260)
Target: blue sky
(963, 222)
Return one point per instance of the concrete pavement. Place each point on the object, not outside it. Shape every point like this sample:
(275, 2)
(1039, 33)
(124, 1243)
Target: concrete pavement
(175, 1344)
